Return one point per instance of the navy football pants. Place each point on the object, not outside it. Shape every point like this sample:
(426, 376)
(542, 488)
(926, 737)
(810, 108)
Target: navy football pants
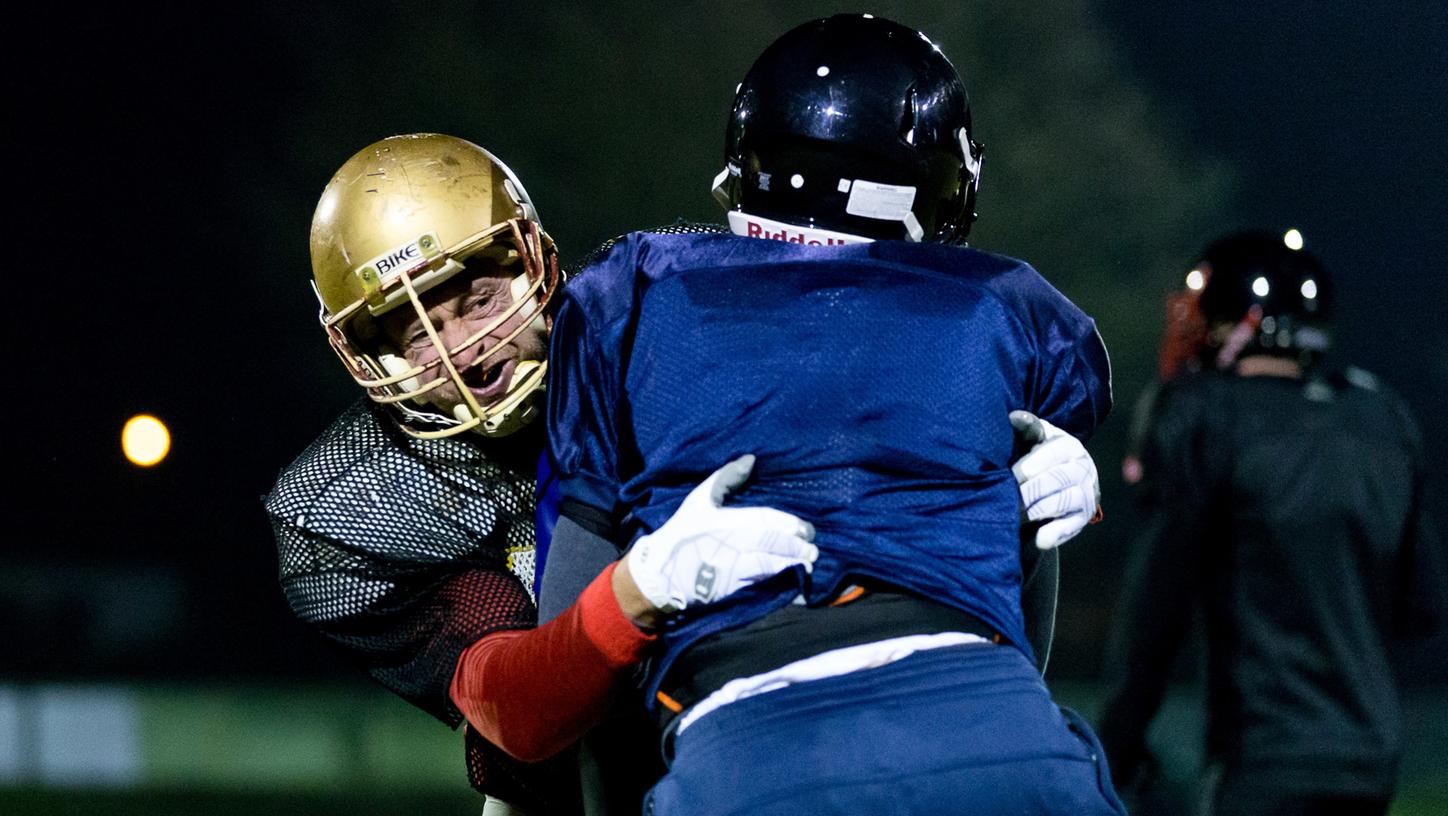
(957, 730)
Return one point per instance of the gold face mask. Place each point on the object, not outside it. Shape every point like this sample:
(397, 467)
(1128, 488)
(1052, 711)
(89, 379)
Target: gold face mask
(406, 215)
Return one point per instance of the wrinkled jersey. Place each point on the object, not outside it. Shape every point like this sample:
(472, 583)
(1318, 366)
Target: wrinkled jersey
(405, 552)
(872, 381)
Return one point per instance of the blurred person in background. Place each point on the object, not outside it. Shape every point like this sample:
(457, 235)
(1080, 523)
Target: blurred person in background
(1284, 499)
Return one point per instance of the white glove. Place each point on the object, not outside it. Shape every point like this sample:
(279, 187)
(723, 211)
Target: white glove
(1057, 478)
(706, 551)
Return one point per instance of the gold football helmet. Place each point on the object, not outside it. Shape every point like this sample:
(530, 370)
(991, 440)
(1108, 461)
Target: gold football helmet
(401, 217)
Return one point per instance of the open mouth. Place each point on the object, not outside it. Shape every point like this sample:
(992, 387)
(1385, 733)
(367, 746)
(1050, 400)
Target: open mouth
(490, 379)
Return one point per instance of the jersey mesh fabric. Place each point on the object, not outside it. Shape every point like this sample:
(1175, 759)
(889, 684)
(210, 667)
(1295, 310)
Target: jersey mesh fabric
(405, 552)
(680, 227)
(537, 788)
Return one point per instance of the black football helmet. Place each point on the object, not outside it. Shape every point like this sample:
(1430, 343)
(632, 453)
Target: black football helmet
(1279, 299)
(853, 125)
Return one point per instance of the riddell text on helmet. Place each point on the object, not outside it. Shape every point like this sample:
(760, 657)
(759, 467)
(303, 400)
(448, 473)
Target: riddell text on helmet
(758, 230)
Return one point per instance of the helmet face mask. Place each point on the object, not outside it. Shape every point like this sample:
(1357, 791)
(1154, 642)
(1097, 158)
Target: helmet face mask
(857, 125)
(430, 190)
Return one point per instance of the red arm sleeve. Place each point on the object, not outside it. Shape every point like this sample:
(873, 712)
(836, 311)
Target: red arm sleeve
(534, 692)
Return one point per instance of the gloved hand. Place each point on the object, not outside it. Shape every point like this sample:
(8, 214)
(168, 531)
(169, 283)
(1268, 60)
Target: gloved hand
(706, 551)
(1057, 479)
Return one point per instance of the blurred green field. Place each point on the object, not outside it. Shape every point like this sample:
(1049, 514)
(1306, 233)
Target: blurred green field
(202, 803)
(88, 803)
(1176, 740)
(317, 751)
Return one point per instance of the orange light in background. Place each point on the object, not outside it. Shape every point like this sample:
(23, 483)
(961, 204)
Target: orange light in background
(145, 440)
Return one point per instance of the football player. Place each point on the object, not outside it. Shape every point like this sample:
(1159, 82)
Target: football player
(1262, 467)
(870, 360)
(407, 531)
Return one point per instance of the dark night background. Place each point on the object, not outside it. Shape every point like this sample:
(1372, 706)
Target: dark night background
(167, 158)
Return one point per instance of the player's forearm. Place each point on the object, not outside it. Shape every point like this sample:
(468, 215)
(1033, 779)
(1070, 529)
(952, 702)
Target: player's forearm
(534, 692)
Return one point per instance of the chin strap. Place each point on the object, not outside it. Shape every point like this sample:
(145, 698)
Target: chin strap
(720, 187)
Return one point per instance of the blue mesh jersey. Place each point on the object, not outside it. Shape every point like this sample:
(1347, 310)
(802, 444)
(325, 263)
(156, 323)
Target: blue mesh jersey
(872, 381)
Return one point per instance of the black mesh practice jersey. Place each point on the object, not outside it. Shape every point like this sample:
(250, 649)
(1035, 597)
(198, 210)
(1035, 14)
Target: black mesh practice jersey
(406, 551)
(1290, 512)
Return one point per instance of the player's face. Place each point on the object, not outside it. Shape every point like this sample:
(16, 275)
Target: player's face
(460, 308)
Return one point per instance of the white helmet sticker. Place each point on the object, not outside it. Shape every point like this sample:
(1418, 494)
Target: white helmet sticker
(887, 202)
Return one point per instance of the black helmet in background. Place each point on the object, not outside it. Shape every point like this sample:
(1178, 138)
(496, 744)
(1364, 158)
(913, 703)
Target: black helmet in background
(1275, 299)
